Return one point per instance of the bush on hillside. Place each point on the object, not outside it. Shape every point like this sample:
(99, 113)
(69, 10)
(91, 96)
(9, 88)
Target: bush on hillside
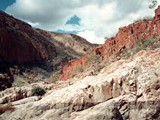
(38, 91)
(79, 69)
(146, 18)
(92, 58)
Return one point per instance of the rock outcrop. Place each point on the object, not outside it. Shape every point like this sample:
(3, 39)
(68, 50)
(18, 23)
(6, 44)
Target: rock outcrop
(21, 44)
(125, 37)
(14, 94)
(126, 89)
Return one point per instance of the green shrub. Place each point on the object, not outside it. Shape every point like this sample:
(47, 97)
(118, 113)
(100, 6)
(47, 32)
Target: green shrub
(93, 58)
(126, 55)
(155, 46)
(55, 77)
(142, 44)
(38, 91)
(79, 69)
(98, 67)
(146, 18)
(74, 74)
(153, 4)
(96, 58)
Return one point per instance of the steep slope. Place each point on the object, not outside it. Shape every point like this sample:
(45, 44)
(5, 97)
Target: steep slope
(21, 44)
(30, 54)
(71, 44)
(126, 89)
(125, 38)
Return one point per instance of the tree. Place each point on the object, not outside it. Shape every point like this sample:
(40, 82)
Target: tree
(154, 3)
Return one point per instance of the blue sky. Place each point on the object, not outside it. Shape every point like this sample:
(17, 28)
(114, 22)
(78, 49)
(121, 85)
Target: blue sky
(74, 20)
(5, 3)
(91, 19)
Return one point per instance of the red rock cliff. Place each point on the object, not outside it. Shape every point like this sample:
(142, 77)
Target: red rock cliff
(21, 44)
(124, 38)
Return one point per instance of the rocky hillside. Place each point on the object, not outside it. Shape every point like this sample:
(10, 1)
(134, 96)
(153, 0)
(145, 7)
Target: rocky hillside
(21, 44)
(124, 39)
(71, 44)
(127, 89)
(28, 54)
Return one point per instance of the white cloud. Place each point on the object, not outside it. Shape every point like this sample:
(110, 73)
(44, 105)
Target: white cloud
(99, 18)
(49, 13)
(91, 37)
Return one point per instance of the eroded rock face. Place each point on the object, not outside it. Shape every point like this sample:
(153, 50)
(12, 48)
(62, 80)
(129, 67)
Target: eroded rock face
(120, 109)
(14, 94)
(21, 44)
(125, 37)
(123, 90)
